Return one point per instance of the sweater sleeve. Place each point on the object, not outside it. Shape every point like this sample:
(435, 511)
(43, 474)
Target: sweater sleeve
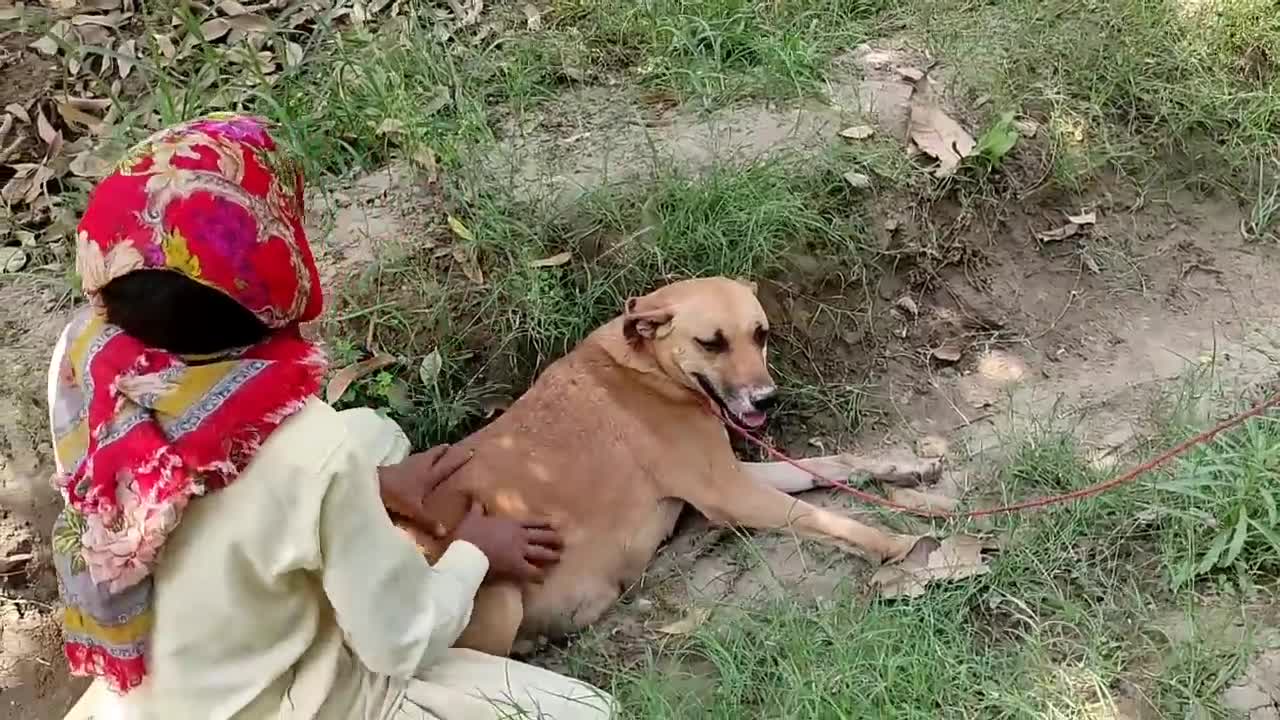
(398, 612)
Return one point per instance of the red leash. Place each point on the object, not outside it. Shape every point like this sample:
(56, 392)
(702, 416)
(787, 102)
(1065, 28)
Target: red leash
(1090, 491)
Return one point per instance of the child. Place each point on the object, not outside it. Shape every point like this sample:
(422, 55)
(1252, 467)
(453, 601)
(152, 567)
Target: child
(224, 551)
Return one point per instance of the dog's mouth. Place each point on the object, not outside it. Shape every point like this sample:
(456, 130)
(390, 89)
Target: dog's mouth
(751, 419)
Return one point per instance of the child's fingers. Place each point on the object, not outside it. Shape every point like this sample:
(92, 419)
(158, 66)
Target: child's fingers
(539, 555)
(545, 538)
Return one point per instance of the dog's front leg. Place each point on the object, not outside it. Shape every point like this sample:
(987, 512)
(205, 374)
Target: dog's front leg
(815, 472)
(739, 500)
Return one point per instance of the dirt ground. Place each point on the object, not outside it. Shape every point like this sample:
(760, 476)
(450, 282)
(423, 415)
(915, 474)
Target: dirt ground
(1090, 330)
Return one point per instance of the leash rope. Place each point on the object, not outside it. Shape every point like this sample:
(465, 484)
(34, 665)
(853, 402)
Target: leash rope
(1085, 492)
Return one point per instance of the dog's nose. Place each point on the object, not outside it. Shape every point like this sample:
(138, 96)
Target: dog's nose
(765, 399)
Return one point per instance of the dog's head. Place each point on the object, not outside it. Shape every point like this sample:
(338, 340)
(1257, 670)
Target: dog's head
(710, 335)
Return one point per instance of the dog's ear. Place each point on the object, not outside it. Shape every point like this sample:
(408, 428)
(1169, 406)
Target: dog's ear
(750, 284)
(642, 320)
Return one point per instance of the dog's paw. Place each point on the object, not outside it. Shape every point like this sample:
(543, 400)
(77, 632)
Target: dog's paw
(906, 471)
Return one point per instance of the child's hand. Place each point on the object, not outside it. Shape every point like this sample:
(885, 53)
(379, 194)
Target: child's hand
(516, 551)
(406, 485)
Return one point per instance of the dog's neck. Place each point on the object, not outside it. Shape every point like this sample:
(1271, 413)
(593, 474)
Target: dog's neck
(635, 359)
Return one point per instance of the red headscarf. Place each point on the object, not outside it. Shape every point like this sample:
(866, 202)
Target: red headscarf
(138, 431)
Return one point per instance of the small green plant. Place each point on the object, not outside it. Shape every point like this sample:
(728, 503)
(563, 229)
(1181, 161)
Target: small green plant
(997, 141)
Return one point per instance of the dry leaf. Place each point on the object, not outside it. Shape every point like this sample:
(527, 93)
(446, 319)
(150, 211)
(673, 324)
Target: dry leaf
(214, 29)
(460, 230)
(27, 183)
(292, 54)
(1088, 218)
(532, 17)
(554, 261)
(947, 353)
(694, 620)
(249, 24)
(857, 132)
(921, 500)
(468, 264)
(73, 115)
(127, 57)
(89, 164)
(12, 259)
(165, 46)
(937, 134)
(45, 130)
(1057, 234)
(857, 179)
(342, 379)
(429, 368)
(18, 111)
(232, 8)
(390, 126)
(955, 558)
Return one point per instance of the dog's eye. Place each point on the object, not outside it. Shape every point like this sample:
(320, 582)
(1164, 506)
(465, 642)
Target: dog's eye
(717, 344)
(762, 335)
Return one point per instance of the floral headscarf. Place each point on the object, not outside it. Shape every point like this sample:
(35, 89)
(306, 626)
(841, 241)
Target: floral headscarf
(139, 431)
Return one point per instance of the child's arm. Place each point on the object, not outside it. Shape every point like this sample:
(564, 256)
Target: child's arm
(399, 613)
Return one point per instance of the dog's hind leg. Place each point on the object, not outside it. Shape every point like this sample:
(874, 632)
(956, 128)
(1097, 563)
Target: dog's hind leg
(791, 479)
(495, 618)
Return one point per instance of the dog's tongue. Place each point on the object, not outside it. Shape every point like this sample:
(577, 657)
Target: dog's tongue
(753, 419)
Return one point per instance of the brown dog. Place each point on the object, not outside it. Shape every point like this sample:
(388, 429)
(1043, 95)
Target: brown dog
(616, 437)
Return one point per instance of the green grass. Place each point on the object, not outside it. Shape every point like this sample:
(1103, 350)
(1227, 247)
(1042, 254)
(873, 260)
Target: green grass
(722, 50)
(1190, 90)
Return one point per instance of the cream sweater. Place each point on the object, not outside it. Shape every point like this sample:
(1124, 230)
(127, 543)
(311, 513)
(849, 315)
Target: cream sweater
(289, 594)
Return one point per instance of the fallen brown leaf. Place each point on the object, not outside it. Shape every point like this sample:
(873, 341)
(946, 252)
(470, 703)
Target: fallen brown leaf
(858, 180)
(1058, 234)
(936, 134)
(73, 115)
(18, 112)
(343, 379)
(45, 130)
(955, 558)
(857, 132)
(694, 620)
(214, 29)
(554, 261)
(89, 164)
(947, 353)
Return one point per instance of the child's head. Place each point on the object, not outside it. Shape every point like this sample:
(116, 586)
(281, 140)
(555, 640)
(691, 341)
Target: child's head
(172, 312)
(195, 243)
